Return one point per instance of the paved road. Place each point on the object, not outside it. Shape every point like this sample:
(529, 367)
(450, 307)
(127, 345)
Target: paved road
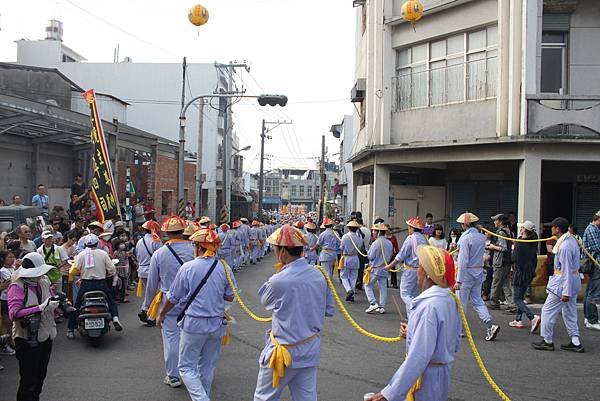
(129, 364)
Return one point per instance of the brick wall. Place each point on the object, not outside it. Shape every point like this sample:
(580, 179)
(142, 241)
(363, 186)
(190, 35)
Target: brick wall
(166, 183)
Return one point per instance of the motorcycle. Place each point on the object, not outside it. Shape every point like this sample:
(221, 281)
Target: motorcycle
(94, 317)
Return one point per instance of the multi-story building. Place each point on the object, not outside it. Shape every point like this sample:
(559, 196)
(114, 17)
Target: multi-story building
(153, 91)
(344, 131)
(488, 106)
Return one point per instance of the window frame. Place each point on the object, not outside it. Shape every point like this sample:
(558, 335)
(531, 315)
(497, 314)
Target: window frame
(564, 47)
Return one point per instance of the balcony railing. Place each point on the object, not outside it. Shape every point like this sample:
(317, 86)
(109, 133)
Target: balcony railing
(574, 116)
(457, 83)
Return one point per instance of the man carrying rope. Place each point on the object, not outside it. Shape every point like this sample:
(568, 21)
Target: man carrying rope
(432, 334)
(349, 263)
(299, 299)
(563, 287)
(328, 243)
(380, 252)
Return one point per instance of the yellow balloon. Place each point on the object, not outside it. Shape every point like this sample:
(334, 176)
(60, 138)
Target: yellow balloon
(412, 11)
(198, 15)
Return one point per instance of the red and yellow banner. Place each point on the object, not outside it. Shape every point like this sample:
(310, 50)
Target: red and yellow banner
(103, 187)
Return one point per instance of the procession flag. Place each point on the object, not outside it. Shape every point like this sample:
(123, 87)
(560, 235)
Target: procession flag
(103, 187)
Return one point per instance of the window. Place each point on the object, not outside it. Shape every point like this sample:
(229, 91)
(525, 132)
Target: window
(301, 191)
(293, 192)
(309, 191)
(438, 72)
(554, 62)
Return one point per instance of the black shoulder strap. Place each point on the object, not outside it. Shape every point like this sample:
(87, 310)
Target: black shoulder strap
(146, 246)
(175, 254)
(197, 290)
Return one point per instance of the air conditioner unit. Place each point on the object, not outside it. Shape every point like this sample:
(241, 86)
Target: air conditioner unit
(357, 94)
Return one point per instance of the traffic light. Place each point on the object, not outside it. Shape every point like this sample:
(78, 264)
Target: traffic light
(272, 100)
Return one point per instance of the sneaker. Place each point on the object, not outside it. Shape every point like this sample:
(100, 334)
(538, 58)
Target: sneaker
(381, 311)
(572, 347)
(535, 323)
(117, 324)
(7, 350)
(592, 326)
(372, 308)
(517, 324)
(492, 332)
(71, 334)
(143, 315)
(150, 323)
(543, 346)
(494, 306)
(349, 295)
(172, 381)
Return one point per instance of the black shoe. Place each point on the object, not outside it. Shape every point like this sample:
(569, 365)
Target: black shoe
(494, 306)
(349, 296)
(543, 346)
(359, 288)
(150, 323)
(117, 325)
(572, 347)
(143, 316)
(510, 311)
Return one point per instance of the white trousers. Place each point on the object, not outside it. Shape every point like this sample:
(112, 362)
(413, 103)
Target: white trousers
(409, 287)
(349, 277)
(302, 383)
(470, 291)
(552, 307)
(198, 357)
(382, 284)
(170, 337)
(328, 266)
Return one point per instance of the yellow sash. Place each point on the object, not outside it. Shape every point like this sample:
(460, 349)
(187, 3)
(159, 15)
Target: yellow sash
(341, 263)
(280, 358)
(367, 274)
(226, 338)
(410, 396)
(154, 307)
(140, 290)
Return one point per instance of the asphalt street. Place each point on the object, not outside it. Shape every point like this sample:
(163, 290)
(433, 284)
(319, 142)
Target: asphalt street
(129, 365)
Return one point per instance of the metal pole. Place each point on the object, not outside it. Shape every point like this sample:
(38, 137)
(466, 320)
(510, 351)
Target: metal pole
(180, 162)
(199, 160)
(224, 155)
(322, 171)
(263, 134)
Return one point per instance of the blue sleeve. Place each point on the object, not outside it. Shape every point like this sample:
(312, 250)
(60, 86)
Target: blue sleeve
(463, 260)
(404, 252)
(228, 290)
(179, 287)
(330, 307)
(267, 296)
(151, 282)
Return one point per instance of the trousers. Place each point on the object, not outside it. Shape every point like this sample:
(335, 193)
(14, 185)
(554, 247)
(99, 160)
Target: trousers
(349, 277)
(170, 337)
(592, 296)
(328, 266)
(501, 285)
(302, 383)
(93, 285)
(409, 287)
(33, 365)
(470, 291)
(198, 357)
(552, 307)
(382, 284)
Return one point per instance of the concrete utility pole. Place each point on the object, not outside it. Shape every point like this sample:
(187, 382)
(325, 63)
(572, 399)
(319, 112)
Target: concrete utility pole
(199, 159)
(322, 170)
(264, 135)
(181, 158)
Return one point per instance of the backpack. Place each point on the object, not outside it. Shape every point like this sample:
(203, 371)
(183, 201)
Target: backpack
(508, 255)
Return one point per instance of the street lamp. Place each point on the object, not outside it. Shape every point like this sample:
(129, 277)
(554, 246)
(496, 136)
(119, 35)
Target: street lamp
(237, 152)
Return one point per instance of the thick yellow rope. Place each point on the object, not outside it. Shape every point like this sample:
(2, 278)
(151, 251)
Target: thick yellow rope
(589, 255)
(349, 318)
(478, 359)
(239, 299)
(517, 239)
(355, 247)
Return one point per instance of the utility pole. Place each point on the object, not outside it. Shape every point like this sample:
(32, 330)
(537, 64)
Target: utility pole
(199, 159)
(322, 170)
(263, 135)
(180, 164)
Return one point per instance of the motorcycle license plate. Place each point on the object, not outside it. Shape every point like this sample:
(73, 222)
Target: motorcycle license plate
(94, 324)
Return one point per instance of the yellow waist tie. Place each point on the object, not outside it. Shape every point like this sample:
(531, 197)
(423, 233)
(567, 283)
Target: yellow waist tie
(341, 263)
(410, 267)
(140, 290)
(367, 275)
(281, 358)
(410, 396)
(560, 273)
(155, 306)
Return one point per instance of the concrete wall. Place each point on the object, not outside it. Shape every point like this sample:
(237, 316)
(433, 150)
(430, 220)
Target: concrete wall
(455, 121)
(36, 85)
(410, 201)
(109, 108)
(364, 200)
(584, 49)
(41, 53)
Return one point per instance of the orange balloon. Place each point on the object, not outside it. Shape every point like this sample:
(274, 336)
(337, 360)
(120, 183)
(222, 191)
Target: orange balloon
(198, 15)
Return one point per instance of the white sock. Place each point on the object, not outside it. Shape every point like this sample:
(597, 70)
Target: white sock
(575, 341)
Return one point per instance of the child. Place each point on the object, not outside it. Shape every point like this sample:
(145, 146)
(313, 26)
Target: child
(122, 253)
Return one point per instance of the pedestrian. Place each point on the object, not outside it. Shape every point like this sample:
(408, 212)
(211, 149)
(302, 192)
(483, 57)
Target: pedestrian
(563, 287)
(24, 234)
(79, 187)
(501, 262)
(40, 200)
(365, 234)
(253, 241)
(76, 205)
(202, 283)
(139, 213)
(3, 202)
(512, 224)
(379, 255)
(239, 243)
(227, 239)
(150, 210)
(310, 249)
(164, 265)
(432, 334)
(591, 242)
(437, 239)
(7, 268)
(525, 257)
(292, 351)
(123, 253)
(486, 288)
(349, 263)
(31, 308)
(245, 234)
(93, 265)
(471, 274)
(409, 261)
(328, 244)
(55, 256)
(190, 228)
(429, 227)
(144, 249)
(16, 200)
(392, 238)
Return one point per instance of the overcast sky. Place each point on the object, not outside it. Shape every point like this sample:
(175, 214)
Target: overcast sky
(302, 48)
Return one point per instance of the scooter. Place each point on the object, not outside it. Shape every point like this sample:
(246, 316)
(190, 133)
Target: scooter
(94, 317)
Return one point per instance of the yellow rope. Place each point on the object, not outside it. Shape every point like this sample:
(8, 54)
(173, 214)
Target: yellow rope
(239, 299)
(517, 239)
(349, 318)
(355, 247)
(589, 255)
(478, 359)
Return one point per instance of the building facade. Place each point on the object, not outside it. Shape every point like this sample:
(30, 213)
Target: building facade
(488, 106)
